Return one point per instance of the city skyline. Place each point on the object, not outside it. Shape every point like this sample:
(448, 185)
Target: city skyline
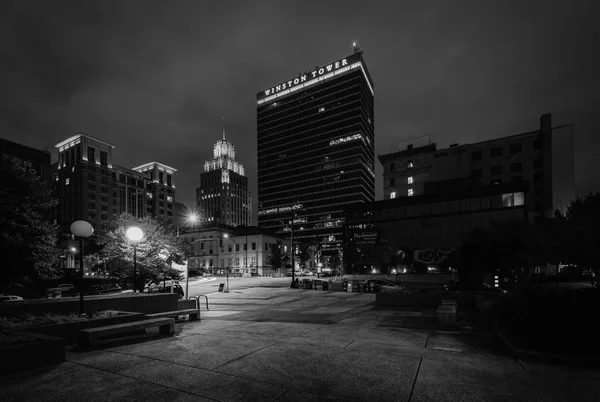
(158, 88)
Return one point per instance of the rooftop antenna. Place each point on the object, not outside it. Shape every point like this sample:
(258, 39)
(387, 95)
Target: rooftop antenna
(355, 46)
(223, 128)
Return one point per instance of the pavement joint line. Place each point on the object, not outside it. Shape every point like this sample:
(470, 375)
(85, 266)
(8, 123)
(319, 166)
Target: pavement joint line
(521, 364)
(412, 390)
(189, 366)
(142, 380)
(447, 349)
(241, 357)
(427, 340)
(349, 344)
(282, 394)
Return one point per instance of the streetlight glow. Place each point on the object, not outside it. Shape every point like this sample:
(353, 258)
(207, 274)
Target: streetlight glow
(193, 218)
(134, 233)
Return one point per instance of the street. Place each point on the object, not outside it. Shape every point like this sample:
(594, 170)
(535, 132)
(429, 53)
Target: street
(211, 284)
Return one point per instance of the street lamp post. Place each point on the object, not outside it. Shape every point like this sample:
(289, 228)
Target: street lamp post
(292, 241)
(192, 218)
(81, 229)
(135, 235)
(225, 235)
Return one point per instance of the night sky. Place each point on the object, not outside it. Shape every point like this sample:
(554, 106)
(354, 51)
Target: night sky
(155, 77)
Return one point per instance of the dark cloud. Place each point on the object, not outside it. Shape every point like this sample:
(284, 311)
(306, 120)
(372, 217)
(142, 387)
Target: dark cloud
(155, 77)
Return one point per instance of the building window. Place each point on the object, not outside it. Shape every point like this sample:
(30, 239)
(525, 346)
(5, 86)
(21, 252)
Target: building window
(161, 178)
(104, 190)
(476, 156)
(410, 192)
(91, 155)
(229, 262)
(392, 167)
(104, 199)
(91, 196)
(92, 206)
(253, 263)
(237, 261)
(169, 180)
(513, 199)
(516, 148)
(253, 246)
(237, 247)
(245, 261)
(67, 181)
(245, 246)
(392, 182)
(516, 167)
(321, 109)
(496, 169)
(495, 152)
(92, 178)
(410, 163)
(169, 198)
(266, 246)
(103, 208)
(222, 262)
(409, 180)
(392, 195)
(103, 217)
(103, 158)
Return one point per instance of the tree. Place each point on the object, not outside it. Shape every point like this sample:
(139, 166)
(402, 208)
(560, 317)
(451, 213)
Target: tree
(28, 240)
(334, 261)
(159, 247)
(277, 259)
(305, 254)
(582, 236)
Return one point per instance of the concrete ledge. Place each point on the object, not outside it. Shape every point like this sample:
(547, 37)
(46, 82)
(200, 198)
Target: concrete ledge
(545, 357)
(139, 303)
(401, 299)
(43, 351)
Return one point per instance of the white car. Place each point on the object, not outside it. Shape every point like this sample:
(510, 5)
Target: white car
(10, 298)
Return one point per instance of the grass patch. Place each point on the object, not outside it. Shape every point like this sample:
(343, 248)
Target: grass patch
(28, 320)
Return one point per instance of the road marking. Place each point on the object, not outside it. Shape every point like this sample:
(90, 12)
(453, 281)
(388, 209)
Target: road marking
(448, 349)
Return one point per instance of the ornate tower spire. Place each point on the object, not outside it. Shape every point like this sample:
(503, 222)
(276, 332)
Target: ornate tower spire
(223, 128)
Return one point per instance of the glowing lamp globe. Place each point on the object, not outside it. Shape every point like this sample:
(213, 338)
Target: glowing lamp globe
(134, 233)
(82, 229)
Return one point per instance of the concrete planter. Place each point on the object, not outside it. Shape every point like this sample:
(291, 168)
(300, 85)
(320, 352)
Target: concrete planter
(42, 351)
(69, 332)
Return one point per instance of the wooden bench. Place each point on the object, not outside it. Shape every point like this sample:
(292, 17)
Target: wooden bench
(192, 312)
(89, 337)
(446, 316)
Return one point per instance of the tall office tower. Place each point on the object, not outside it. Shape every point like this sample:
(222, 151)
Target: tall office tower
(160, 188)
(89, 187)
(316, 150)
(223, 196)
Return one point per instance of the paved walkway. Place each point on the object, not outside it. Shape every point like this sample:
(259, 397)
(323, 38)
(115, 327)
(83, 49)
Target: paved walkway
(300, 345)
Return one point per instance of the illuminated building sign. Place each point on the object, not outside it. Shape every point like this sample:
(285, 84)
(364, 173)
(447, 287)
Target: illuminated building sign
(313, 77)
(282, 209)
(346, 139)
(34, 168)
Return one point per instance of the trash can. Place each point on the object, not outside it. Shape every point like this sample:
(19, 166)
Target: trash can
(354, 286)
(325, 285)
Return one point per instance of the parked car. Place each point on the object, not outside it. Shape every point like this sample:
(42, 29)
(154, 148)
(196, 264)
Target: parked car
(160, 288)
(490, 288)
(10, 298)
(384, 284)
(62, 288)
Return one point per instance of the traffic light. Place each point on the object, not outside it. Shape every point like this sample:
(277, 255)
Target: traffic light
(221, 243)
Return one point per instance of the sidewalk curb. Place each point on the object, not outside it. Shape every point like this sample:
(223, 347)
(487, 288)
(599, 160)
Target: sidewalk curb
(544, 356)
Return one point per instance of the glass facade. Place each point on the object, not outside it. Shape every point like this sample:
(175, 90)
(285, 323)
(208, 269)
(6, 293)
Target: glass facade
(316, 154)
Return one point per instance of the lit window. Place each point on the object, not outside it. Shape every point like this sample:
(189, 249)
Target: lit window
(321, 109)
(410, 164)
(67, 181)
(169, 199)
(519, 199)
(393, 194)
(410, 180)
(410, 192)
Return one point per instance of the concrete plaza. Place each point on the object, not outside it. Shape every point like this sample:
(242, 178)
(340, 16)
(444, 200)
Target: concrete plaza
(278, 344)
